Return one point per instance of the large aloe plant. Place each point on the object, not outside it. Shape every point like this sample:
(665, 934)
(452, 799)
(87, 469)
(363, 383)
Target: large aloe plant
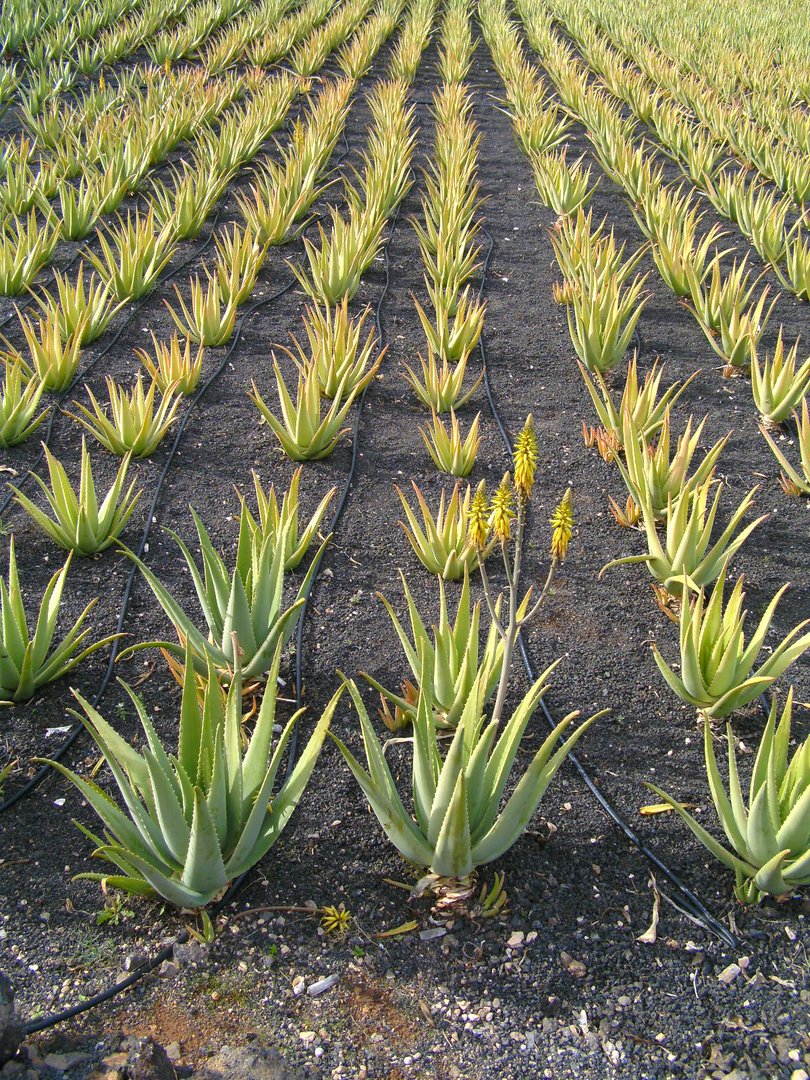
(770, 838)
(195, 821)
(458, 822)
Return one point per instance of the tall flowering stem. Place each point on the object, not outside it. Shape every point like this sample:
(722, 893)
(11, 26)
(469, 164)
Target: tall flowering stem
(504, 518)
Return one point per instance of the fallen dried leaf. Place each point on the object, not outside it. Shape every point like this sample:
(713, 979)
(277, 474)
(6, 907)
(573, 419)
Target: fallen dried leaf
(395, 931)
(664, 808)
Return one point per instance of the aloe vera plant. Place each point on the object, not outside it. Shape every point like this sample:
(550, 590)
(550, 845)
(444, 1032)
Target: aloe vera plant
(441, 388)
(173, 366)
(458, 822)
(133, 255)
(770, 838)
(717, 666)
(20, 396)
(80, 310)
(440, 542)
(652, 475)
(305, 435)
(55, 359)
(685, 555)
(274, 519)
(344, 361)
(135, 425)
(562, 187)
(453, 336)
(640, 402)
(77, 522)
(29, 661)
(192, 822)
(451, 662)
(337, 266)
(209, 318)
(602, 321)
(449, 450)
(778, 386)
(247, 601)
(794, 482)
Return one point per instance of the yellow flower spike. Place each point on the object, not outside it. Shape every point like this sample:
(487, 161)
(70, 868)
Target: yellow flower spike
(502, 510)
(562, 522)
(478, 518)
(525, 459)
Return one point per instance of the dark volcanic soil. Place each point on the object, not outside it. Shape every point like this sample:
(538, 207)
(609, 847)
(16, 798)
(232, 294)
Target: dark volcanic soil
(558, 985)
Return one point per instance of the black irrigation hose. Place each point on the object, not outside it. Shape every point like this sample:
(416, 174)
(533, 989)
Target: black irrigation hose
(43, 1022)
(78, 727)
(688, 903)
(80, 376)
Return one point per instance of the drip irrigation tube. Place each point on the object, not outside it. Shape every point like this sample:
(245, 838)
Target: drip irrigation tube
(687, 902)
(43, 1022)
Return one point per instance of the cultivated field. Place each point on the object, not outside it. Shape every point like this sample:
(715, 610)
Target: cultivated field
(330, 329)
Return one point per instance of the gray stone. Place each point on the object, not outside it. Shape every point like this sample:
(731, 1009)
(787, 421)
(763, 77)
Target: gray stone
(147, 1060)
(12, 1029)
(254, 1062)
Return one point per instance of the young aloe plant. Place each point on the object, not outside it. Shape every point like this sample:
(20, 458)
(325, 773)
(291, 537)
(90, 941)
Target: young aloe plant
(20, 396)
(27, 662)
(452, 661)
(195, 821)
(685, 556)
(602, 321)
(78, 523)
(273, 519)
(343, 360)
(173, 366)
(441, 543)
(449, 451)
(303, 434)
(86, 310)
(337, 266)
(562, 187)
(770, 838)
(717, 675)
(247, 601)
(652, 475)
(453, 336)
(441, 388)
(135, 427)
(793, 482)
(209, 318)
(740, 331)
(55, 359)
(133, 255)
(778, 386)
(641, 403)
